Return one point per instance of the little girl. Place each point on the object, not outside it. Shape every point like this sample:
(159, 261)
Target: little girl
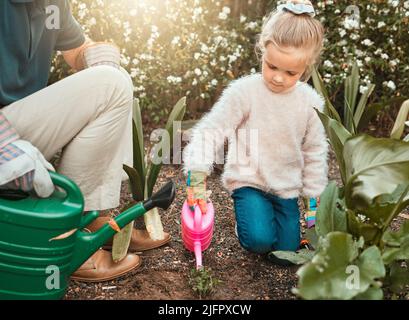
(277, 144)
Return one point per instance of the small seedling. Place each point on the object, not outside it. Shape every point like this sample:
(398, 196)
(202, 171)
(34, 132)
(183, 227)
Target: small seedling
(202, 282)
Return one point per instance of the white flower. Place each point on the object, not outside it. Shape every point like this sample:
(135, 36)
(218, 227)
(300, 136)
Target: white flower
(342, 33)
(174, 80)
(197, 55)
(251, 25)
(363, 89)
(194, 83)
(384, 56)
(232, 58)
(368, 59)
(214, 82)
(393, 3)
(351, 23)
(198, 72)
(224, 14)
(204, 48)
(328, 64)
(176, 40)
(92, 21)
(197, 11)
(390, 84)
(406, 4)
(381, 24)
(367, 42)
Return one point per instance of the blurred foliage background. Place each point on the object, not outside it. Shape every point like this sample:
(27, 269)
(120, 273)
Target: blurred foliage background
(194, 48)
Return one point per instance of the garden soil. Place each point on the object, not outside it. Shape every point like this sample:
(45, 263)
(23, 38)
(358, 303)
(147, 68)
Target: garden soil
(165, 273)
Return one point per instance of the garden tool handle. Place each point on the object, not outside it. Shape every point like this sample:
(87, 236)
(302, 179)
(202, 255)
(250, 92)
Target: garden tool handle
(73, 192)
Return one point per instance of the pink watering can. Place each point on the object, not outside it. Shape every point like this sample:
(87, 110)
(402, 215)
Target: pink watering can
(197, 230)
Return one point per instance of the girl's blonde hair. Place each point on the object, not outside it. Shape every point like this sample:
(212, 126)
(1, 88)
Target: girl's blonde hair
(285, 29)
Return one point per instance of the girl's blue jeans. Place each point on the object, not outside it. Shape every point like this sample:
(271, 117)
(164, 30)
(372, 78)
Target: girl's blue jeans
(266, 222)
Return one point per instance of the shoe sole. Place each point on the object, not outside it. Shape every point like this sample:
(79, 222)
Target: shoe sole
(107, 278)
(132, 250)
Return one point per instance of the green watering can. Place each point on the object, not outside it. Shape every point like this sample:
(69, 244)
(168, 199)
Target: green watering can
(32, 265)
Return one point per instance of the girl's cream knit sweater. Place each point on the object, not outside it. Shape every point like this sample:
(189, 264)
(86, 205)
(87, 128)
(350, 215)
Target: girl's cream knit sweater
(277, 142)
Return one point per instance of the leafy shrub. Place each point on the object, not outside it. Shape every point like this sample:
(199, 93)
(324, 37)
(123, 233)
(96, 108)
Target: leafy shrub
(193, 48)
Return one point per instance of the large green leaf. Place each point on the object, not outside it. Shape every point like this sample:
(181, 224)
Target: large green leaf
(362, 106)
(135, 183)
(373, 293)
(369, 231)
(386, 207)
(352, 87)
(399, 126)
(374, 167)
(398, 277)
(300, 257)
(330, 216)
(329, 109)
(138, 145)
(396, 244)
(349, 119)
(337, 135)
(121, 242)
(328, 275)
(177, 114)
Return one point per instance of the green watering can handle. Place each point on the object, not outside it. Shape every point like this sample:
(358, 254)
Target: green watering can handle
(74, 197)
(74, 194)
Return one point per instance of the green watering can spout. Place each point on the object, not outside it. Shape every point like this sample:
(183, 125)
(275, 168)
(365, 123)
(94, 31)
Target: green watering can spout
(88, 243)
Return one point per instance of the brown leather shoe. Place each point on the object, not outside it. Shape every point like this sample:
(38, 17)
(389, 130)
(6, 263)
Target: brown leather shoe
(140, 240)
(100, 267)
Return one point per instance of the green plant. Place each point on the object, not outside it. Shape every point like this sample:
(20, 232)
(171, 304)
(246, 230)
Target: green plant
(356, 112)
(353, 221)
(202, 282)
(144, 173)
(401, 121)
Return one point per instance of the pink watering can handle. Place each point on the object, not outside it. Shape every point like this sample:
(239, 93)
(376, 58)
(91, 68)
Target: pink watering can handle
(197, 225)
(197, 219)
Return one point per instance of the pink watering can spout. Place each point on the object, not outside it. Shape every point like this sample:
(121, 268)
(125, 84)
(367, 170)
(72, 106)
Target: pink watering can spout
(197, 230)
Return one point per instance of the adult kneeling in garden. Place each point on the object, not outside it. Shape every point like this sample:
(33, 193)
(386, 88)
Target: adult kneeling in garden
(87, 115)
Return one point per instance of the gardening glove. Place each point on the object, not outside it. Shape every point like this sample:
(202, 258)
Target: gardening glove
(196, 190)
(22, 166)
(101, 53)
(311, 206)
